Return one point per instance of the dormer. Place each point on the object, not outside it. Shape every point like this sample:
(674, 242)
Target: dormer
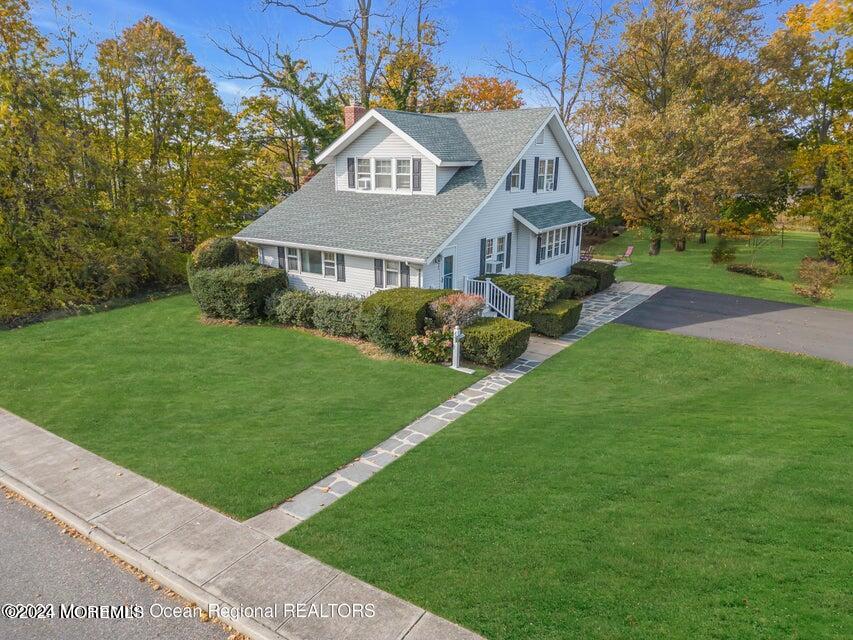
(397, 152)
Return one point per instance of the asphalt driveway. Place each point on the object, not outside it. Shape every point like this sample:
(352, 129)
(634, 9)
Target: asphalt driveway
(819, 332)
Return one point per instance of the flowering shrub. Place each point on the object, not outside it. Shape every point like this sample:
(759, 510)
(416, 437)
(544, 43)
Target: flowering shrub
(436, 345)
(817, 278)
(457, 309)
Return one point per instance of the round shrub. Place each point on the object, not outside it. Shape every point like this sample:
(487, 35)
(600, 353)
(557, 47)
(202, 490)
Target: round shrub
(337, 315)
(236, 292)
(457, 309)
(296, 308)
(214, 253)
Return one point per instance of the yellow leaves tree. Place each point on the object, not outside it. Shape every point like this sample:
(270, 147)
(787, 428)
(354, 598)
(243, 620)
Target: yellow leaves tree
(484, 93)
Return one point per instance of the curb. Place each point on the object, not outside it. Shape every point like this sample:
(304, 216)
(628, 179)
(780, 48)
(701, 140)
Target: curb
(146, 565)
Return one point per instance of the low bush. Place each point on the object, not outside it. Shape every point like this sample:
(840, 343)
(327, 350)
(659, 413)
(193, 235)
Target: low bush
(436, 345)
(817, 277)
(372, 325)
(236, 292)
(557, 318)
(404, 316)
(603, 272)
(723, 252)
(495, 341)
(457, 309)
(337, 315)
(296, 308)
(578, 286)
(752, 270)
(212, 254)
(531, 292)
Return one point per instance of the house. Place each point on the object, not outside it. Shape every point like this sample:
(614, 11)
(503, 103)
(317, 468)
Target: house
(431, 200)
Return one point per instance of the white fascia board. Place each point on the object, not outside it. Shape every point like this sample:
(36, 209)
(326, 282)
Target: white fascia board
(318, 247)
(590, 188)
(365, 121)
(537, 230)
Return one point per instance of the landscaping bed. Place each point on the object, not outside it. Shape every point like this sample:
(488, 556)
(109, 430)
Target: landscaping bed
(238, 417)
(696, 493)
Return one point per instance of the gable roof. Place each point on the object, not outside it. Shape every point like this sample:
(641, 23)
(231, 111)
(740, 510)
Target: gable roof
(409, 227)
(436, 136)
(541, 217)
(404, 226)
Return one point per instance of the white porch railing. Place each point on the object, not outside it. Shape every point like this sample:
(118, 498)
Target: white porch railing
(496, 298)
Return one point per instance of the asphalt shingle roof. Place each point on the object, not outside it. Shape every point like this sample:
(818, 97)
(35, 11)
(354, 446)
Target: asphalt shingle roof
(410, 226)
(441, 135)
(545, 216)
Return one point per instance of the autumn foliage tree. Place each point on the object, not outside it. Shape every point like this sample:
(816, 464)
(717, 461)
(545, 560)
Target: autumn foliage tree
(484, 93)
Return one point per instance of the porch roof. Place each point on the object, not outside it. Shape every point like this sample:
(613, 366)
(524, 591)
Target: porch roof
(541, 217)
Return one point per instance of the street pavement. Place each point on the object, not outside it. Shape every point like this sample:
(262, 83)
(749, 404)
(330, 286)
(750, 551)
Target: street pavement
(40, 564)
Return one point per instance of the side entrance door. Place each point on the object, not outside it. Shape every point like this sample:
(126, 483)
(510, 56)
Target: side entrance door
(448, 269)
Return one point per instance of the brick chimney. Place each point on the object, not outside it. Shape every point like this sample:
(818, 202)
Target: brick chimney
(352, 114)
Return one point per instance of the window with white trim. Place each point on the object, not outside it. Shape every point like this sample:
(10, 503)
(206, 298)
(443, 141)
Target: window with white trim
(545, 180)
(495, 254)
(392, 273)
(554, 243)
(515, 177)
(292, 259)
(382, 170)
(364, 181)
(403, 174)
(320, 263)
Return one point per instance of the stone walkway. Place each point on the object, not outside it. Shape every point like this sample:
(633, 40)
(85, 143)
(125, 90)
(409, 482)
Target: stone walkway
(598, 310)
(206, 557)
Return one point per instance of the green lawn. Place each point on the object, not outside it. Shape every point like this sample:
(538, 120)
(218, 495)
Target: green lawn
(693, 268)
(637, 485)
(238, 417)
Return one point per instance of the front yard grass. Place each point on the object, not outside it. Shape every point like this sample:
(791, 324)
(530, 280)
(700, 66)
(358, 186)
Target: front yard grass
(637, 485)
(238, 417)
(693, 268)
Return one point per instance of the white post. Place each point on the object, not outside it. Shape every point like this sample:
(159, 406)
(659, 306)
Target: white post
(457, 350)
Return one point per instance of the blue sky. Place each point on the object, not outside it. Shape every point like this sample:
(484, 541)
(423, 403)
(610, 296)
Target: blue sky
(475, 30)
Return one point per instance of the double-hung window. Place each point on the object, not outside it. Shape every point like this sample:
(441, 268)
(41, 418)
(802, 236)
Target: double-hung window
(329, 265)
(382, 173)
(292, 259)
(546, 175)
(364, 182)
(564, 239)
(495, 254)
(515, 176)
(404, 175)
(392, 273)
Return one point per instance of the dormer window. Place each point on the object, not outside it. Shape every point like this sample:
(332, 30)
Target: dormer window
(404, 175)
(383, 174)
(364, 181)
(515, 176)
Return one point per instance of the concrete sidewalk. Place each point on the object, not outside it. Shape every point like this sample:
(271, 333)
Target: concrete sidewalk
(199, 553)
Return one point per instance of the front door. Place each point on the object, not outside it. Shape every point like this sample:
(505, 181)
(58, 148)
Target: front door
(447, 272)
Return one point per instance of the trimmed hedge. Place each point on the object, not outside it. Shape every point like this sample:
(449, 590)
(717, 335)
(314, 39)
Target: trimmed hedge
(295, 308)
(578, 286)
(212, 254)
(495, 341)
(531, 292)
(337, 315)
(557, 318)
(236, 292)
(405, 312)
(752, 270)
(603, 272)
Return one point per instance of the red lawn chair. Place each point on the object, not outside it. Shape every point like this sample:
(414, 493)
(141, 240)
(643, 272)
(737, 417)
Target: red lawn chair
(628, 252)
